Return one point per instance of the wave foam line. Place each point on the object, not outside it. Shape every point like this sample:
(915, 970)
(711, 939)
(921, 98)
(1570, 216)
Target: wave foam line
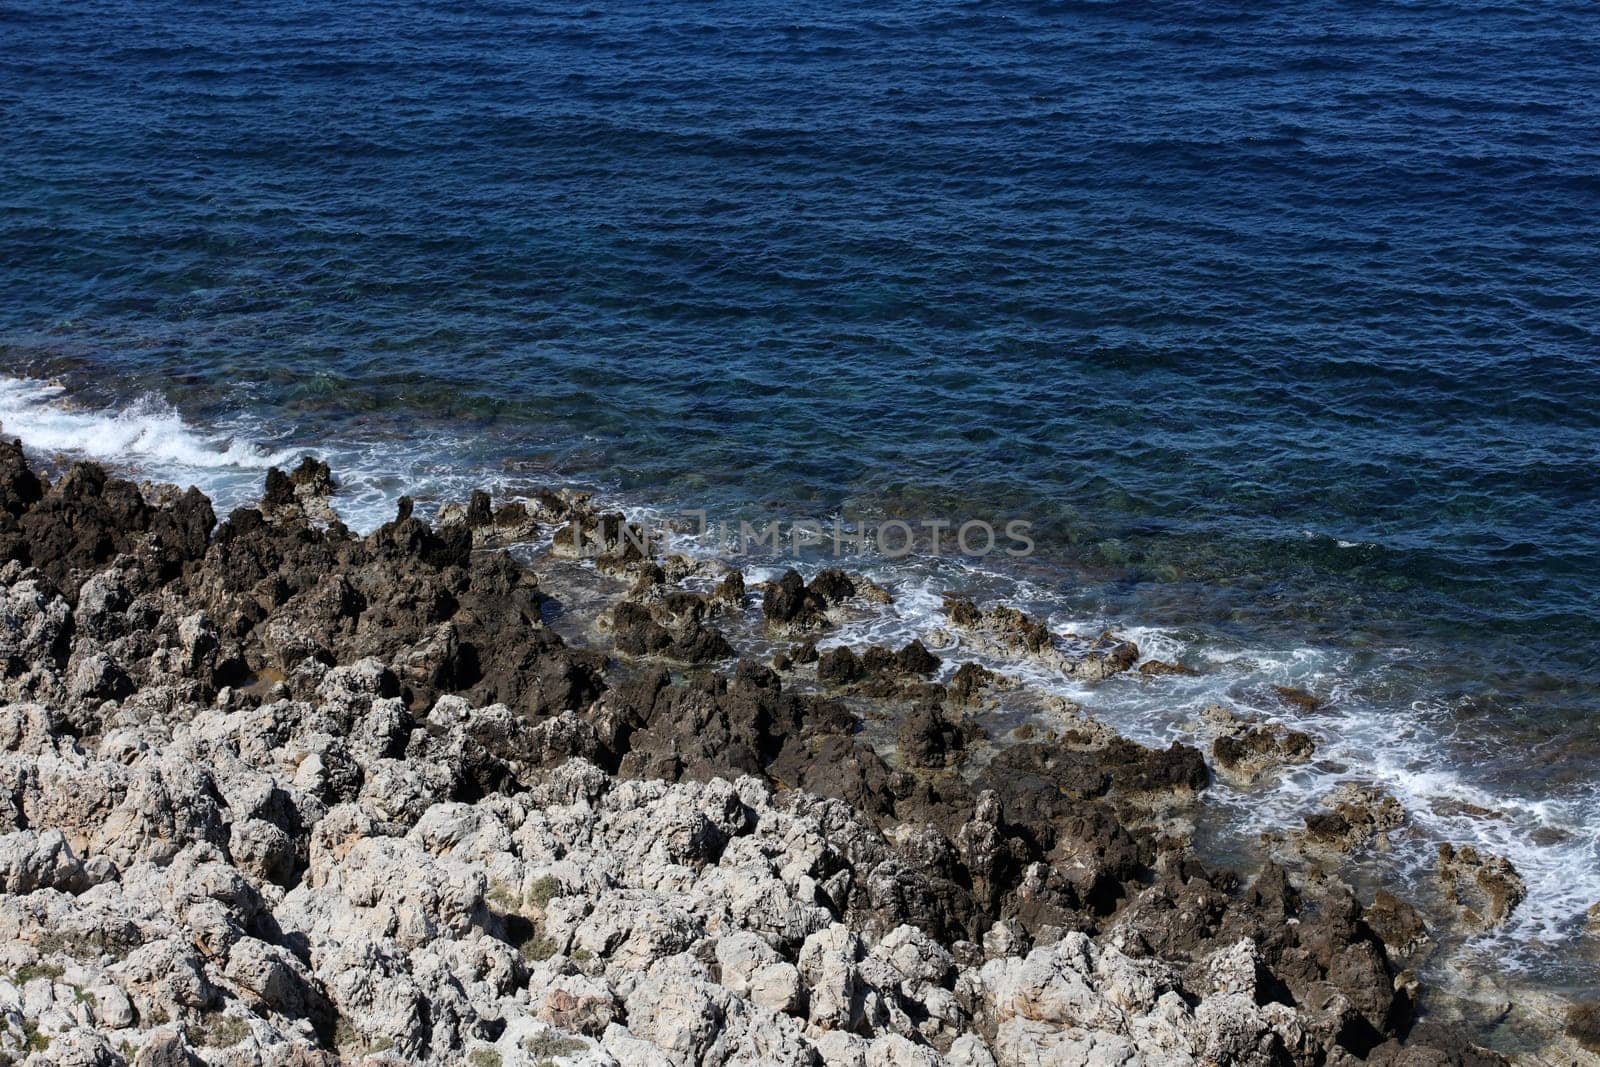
(148, 429)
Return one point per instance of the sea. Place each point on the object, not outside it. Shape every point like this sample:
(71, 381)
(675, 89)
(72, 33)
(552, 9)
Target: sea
(1277, 325)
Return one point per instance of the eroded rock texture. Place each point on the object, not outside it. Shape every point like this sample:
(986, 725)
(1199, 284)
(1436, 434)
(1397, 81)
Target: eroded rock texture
(277, 794)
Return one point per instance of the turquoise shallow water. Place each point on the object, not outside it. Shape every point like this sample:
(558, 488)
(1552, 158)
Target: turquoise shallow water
(1277, 322)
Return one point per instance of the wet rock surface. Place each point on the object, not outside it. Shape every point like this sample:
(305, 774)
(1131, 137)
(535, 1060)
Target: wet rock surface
(276, 793)
(1354, 817)
(1244, 752)
(1487, 889)
(1005, 630)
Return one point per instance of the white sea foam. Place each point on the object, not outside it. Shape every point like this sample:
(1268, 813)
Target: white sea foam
(147, 438)
(148, 430)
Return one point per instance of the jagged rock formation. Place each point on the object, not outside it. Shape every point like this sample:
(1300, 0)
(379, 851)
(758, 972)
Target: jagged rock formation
(278, 794)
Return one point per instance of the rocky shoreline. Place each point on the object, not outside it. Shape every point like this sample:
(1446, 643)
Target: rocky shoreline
(281, 794)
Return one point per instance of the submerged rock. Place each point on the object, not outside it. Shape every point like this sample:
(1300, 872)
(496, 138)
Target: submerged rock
(1298, 698)
(1156, 668)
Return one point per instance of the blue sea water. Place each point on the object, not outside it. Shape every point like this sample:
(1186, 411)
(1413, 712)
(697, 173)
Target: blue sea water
(1278, 321)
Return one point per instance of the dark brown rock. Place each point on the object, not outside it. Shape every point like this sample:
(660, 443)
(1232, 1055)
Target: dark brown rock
(788, 603)
(279, 491)
(81, 523)
(970, 682)
(479, 509)
(840, 666)
(1252, 751)
(731, 589)
(916, 659)
(1107, 655)
(1156, 668)
(1486, 888)
(833, 586)
(20, 488)
(1399, 925)
(1583, 1024)
(930, 738)
(312, 477)
(1297, 698)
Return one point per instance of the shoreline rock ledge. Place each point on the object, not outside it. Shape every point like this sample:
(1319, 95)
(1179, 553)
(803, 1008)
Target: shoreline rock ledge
(278, 794)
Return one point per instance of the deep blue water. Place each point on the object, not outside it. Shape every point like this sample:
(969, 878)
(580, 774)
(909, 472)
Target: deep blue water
(1279, 321)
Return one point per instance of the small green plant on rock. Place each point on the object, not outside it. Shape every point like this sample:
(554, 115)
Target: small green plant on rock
(29, 971)
(538, 948)
(505, 898)
(32, 1039)
(547, 1045)
(224, 1031)
(344, 1035)
(349, 1042)
(484, 1057)
(544, 889)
